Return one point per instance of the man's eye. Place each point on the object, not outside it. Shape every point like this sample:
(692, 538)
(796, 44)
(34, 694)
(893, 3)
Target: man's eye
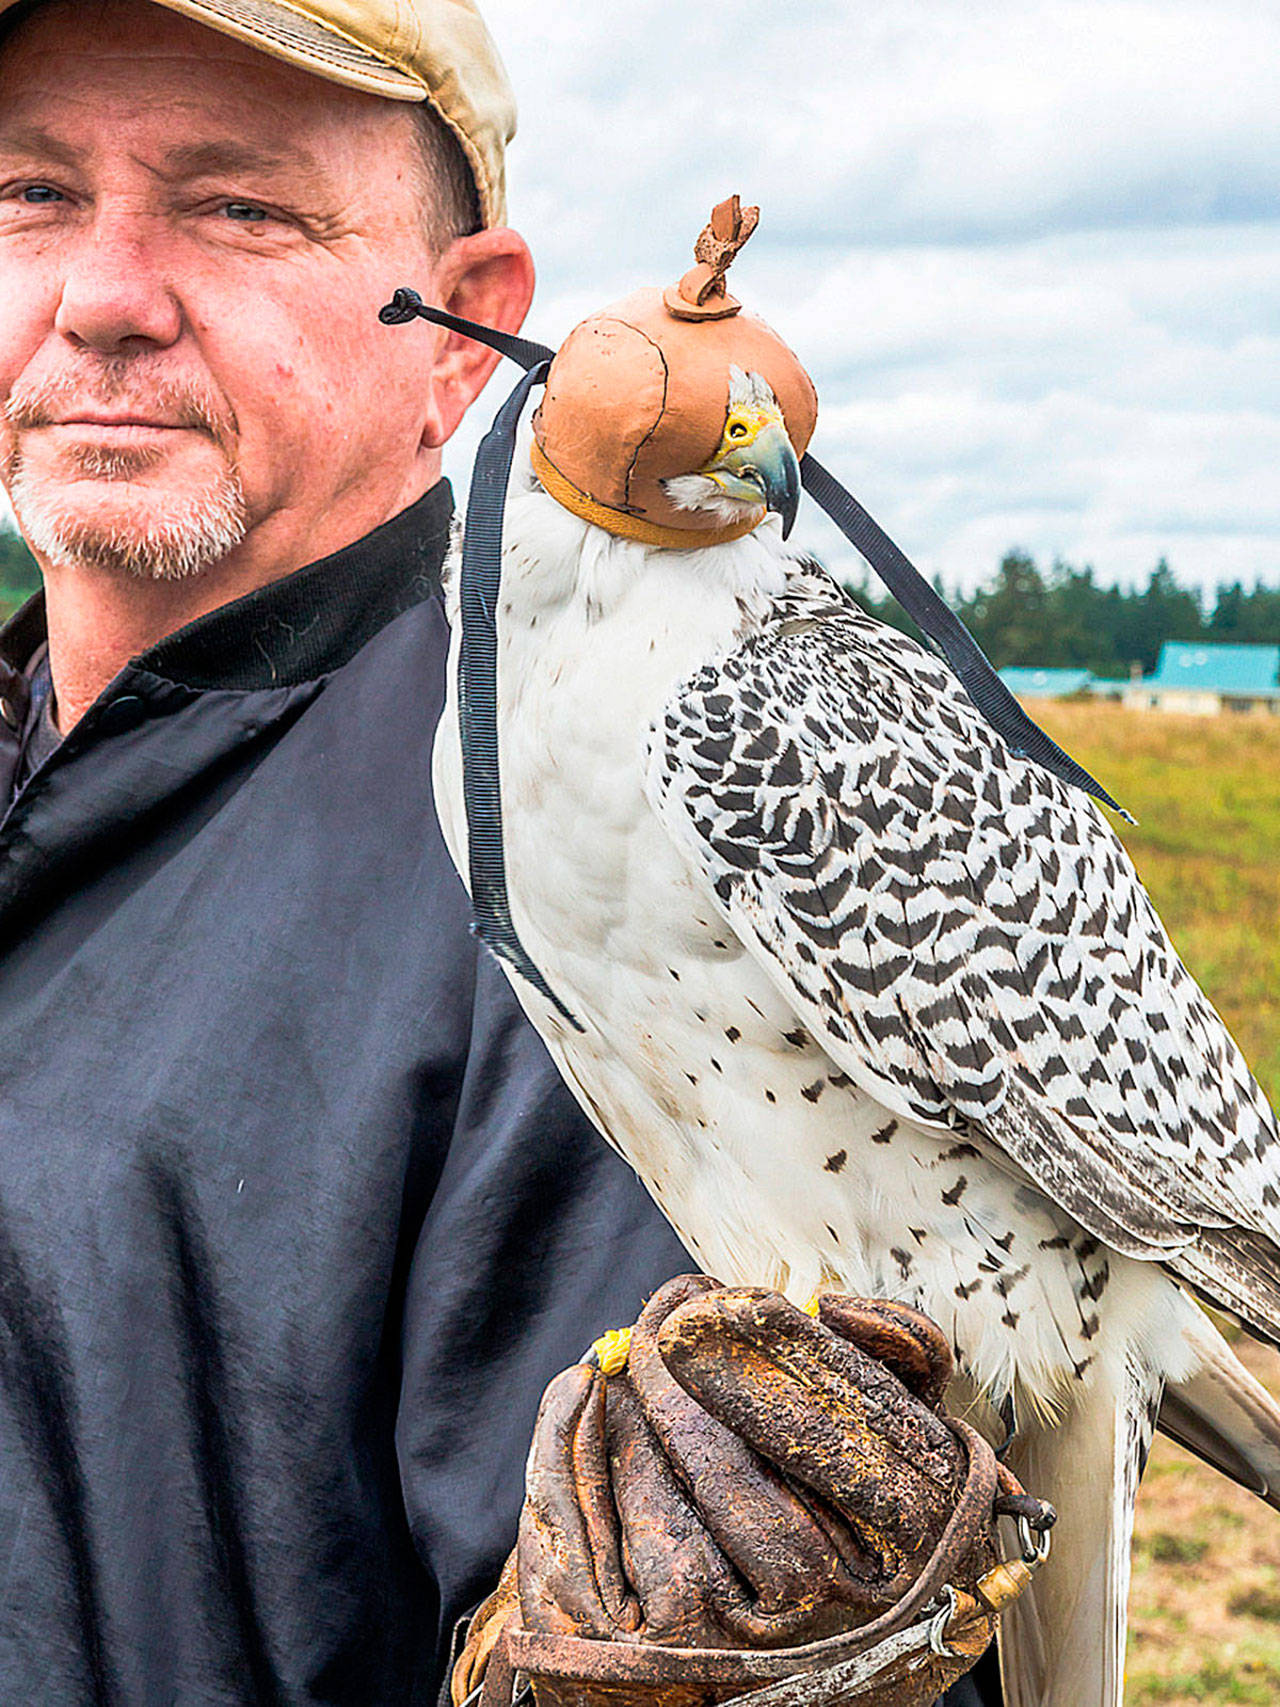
(249, 213)
(35, 194)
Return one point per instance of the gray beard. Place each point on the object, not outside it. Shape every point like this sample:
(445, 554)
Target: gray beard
(200, 530)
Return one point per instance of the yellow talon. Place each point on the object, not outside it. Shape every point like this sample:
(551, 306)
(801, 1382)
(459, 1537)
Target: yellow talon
(611, 1350)
(811, 1308)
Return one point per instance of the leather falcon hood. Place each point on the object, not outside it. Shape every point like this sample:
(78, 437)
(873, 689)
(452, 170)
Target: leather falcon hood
(639, 392)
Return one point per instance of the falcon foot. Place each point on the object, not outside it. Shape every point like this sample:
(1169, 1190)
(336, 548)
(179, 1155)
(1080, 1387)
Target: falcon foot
(611, 1350)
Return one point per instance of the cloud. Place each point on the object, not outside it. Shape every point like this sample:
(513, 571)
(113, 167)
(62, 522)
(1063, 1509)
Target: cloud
(1029, 251)
(907, 121)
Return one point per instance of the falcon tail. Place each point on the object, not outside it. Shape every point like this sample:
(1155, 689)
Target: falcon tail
(1225, 1416)
(1062, 1644)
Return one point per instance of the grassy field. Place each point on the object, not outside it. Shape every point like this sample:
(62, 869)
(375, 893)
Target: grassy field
(1205, 1606)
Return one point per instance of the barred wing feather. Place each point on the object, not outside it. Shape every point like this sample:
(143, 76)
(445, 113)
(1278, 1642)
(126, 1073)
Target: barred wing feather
(967, 937)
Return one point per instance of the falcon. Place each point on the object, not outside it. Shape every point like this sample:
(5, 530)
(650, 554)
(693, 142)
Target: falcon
(867, 997)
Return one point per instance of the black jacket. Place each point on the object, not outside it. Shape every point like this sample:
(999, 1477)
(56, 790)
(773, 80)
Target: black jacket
(295, 1217)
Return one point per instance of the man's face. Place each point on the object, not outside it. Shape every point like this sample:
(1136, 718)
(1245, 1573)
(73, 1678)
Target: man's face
(194, 242)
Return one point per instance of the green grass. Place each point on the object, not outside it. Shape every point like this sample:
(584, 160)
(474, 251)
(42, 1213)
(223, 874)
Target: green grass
(1166, 1549)
(1260, 1603)
(1255, 1683)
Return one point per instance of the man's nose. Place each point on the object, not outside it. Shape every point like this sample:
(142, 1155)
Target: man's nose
(115, 293)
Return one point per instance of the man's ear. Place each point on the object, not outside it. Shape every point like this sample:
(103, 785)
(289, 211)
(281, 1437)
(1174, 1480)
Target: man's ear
(486, 277)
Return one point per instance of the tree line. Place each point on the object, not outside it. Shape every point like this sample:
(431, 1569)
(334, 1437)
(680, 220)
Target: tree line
(1024, 616)
(1063, 618)
(19, 576)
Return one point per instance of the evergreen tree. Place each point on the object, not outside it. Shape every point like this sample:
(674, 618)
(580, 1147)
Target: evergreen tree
(1252, 618)
(1081, 637)
(1162, 611)
(1261, 616)
(19, 576)
(1110, 630)
(1010, 620)
(1227, 621)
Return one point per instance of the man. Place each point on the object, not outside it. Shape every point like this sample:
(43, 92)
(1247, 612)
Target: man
(295, 1219)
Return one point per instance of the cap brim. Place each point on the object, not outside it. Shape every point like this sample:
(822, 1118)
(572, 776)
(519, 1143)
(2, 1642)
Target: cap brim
(290, 35)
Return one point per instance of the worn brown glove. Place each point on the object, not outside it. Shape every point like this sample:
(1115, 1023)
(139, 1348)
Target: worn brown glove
(757, 1495)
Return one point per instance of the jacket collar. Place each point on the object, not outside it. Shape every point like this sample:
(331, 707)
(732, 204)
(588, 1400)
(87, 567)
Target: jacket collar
(292, 630)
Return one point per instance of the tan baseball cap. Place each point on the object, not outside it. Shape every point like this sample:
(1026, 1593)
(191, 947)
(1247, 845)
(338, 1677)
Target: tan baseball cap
(406, 50)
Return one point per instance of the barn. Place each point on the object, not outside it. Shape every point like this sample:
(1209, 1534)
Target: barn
(1204, 679)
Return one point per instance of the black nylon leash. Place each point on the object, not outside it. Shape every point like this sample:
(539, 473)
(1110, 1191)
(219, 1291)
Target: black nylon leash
(407, 305)
(478, 689)
(1025, 738)
(478, 586)
(478, 653)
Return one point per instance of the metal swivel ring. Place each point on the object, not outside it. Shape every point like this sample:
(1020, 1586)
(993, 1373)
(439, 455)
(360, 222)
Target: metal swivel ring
(1035, 1543)
(938, 1624)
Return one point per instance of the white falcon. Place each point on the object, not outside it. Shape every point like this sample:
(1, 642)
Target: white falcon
(869, 1001)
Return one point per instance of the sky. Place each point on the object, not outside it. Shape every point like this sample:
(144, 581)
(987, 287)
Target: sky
(1030, 252)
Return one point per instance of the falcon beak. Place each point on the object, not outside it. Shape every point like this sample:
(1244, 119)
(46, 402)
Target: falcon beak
(780, 474)
(766, 470)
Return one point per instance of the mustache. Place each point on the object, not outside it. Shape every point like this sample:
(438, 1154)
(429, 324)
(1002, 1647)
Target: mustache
(112, 385)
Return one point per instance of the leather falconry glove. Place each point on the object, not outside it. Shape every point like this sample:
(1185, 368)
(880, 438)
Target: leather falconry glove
(749, 1499)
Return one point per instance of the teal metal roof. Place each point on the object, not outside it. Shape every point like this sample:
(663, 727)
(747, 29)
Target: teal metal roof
(1029, 683)
(1247, 670)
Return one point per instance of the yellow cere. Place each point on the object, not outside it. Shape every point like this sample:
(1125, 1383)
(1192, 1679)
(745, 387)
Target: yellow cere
(611, 1350)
